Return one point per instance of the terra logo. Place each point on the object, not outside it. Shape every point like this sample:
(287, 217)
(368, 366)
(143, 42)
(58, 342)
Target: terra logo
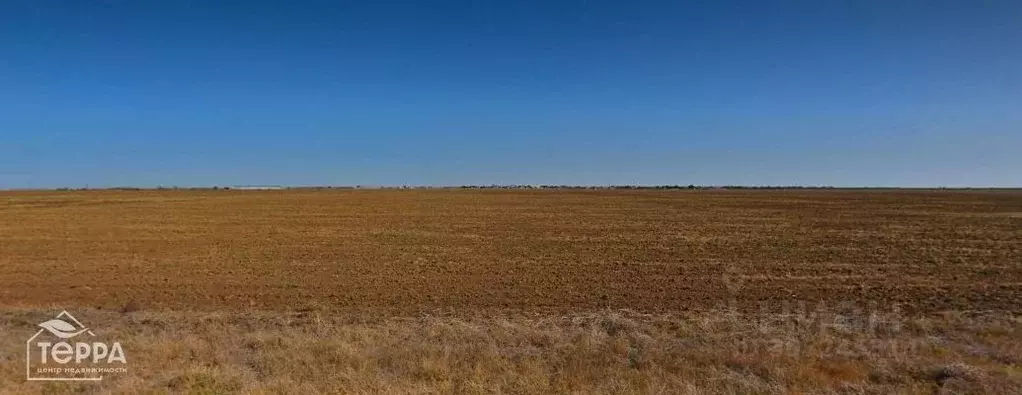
(66, 350)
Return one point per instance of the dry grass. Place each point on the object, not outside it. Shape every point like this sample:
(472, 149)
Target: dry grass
(602, 352)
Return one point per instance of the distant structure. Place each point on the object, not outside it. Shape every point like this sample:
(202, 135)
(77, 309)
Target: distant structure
(256, 187)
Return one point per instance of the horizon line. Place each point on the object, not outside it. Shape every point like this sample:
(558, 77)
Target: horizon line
(502, 186)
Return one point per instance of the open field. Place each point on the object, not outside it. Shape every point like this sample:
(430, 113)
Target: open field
(561, 251)
(525, 291)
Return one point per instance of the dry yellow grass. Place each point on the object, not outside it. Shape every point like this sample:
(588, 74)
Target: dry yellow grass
(610, 352)
(452, 291)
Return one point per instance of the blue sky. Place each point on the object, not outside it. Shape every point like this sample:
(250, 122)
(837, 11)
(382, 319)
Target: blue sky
(844, 93)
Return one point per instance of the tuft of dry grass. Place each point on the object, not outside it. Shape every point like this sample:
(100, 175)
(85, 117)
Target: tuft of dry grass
(606, 351)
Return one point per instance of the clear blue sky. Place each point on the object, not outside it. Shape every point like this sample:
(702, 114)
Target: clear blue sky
(845, 93)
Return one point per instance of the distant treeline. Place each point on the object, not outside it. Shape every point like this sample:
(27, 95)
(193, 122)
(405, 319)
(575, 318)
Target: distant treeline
(575, 187)
(638, 187)
(161, 188)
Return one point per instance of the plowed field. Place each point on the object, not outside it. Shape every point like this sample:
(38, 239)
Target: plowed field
(409, 251)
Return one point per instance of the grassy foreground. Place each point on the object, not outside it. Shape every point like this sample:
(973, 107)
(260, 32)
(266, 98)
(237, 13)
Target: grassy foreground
(802, 350)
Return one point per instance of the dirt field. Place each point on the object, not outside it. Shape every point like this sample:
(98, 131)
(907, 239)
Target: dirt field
(522, 291)
(412, 251)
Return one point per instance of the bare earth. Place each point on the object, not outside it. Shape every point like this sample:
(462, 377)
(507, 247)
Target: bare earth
(463, 250)
(523, 291)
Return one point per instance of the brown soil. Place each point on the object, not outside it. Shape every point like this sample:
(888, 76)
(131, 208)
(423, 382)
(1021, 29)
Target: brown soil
(413, 251)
